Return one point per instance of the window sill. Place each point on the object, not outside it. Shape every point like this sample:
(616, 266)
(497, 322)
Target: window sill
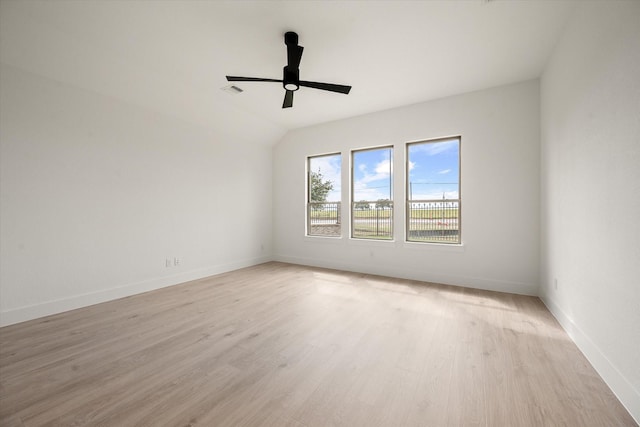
(370, 242)
(323, 239)
(443, 247)
(414, 246)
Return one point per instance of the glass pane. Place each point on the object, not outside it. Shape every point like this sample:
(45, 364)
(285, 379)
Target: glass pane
(433, 191)
(323, 196)
(372, 204)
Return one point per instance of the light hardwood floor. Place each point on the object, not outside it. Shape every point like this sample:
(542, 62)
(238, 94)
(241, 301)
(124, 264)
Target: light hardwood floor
(286, 345)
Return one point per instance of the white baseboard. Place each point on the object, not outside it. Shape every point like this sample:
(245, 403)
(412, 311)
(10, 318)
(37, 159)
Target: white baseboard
(422, 275)
(628, 395)
(36, 311)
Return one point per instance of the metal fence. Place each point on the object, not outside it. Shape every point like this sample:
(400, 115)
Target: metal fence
(432, 221)
(323, 219)
(372, 222)
(435, 221)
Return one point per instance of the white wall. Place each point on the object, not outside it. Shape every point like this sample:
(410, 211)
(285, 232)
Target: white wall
(590, 98)
(96, 193)
(500, 191)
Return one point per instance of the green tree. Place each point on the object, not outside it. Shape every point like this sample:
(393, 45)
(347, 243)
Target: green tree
(383, 204)
(319, 188)
(362, 205)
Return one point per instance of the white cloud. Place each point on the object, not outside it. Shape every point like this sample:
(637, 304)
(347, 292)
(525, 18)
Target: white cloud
(433, 148)
(444, 171)
(363, 192)
(383, 167)
(411, 165)
(435, 195)
(375, 192)
(382, 172)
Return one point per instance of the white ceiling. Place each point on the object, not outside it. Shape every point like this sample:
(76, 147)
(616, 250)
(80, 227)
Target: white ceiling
(172, 56)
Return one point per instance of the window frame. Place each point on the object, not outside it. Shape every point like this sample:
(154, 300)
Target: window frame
(352, 201)
(407, 219)
(308, 196)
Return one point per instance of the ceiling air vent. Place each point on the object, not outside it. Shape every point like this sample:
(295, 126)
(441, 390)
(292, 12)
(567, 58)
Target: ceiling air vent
(232, 89)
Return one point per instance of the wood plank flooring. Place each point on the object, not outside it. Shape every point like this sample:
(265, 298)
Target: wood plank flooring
(287, 345)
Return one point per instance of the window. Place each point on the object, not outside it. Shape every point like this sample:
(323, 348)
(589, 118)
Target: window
(372, 198)
(323, 195)
(433, 191)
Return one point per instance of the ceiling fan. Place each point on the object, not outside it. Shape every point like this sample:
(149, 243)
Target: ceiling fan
(291, 75)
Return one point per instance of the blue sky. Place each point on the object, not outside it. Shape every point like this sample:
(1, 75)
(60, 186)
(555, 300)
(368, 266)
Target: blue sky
(372, 170)
(433, 171)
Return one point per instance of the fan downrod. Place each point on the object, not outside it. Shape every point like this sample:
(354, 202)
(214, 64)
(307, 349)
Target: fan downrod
(291, 38)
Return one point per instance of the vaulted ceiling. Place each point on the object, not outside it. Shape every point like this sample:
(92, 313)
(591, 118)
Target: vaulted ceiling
(172, 56)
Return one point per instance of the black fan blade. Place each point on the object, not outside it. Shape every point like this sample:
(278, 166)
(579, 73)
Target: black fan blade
(294, 55)
(326, 86)
(250, 79)
(288, 99)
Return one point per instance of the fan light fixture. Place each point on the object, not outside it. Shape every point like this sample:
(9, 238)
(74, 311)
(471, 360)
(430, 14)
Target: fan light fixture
(291, 74)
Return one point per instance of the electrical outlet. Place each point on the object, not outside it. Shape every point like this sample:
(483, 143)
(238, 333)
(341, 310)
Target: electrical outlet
(167, 262)
(176, 261)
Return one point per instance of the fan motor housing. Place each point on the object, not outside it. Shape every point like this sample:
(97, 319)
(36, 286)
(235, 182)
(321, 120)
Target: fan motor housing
(291, 78)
